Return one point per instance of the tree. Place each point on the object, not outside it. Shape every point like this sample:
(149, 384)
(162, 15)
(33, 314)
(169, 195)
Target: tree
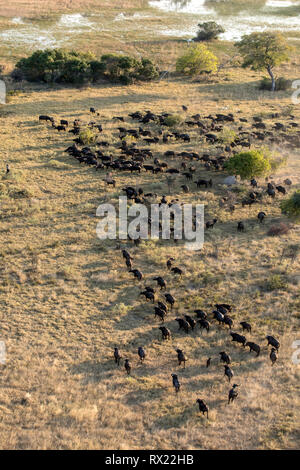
(209, 30)
(291, 206)
(249, 164)
(264, 51)
(61, 66)
(124, 69)
(56, 65)
(197, 60)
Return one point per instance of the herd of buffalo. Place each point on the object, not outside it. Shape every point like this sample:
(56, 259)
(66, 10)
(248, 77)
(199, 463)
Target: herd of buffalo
(132, 149)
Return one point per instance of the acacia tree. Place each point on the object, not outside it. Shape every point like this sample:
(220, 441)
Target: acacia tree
(264, 51)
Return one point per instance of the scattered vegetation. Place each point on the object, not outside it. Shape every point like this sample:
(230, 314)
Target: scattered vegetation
(67, 297)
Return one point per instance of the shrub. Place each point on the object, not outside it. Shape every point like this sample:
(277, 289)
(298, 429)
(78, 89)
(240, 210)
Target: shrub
(197, 60)
(291, 206)
(281, 84)
(279, 229)
(124, 69)
(173, 120)
(208, 31)
(247, 165)
(87, 137)
(146, 70)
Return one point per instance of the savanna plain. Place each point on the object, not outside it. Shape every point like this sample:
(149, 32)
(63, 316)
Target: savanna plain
(67, 298)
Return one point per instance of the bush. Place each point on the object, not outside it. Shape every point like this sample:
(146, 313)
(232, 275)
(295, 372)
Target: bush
(124, 69)
(87, 137)
(60, 66)
(208, 31)
(173, 120)
(247, 165)
(197, 60)
(279, 229)
(147, 70)
(291, 206)
(281, 84)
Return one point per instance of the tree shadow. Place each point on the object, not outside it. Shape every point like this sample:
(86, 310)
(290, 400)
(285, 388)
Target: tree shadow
(140, 396)
(245, 91)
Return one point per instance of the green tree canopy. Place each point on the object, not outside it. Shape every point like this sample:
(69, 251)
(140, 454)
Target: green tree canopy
(197, 60)
(264, 51)
(62, 66)
(56, 65)
(247, 165)
(209, 30)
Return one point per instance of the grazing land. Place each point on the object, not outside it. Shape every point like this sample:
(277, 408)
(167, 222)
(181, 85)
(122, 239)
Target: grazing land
(67, 298)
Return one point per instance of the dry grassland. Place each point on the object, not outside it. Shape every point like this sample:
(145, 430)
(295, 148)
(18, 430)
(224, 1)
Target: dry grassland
(66, 298)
